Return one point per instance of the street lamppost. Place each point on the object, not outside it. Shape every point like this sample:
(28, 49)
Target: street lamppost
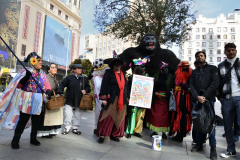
(69, 28)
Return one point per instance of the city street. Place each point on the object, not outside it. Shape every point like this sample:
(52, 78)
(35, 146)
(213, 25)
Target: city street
(85, 146)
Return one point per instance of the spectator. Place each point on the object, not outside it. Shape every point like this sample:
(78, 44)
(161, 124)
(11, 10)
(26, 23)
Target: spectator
(205, 77)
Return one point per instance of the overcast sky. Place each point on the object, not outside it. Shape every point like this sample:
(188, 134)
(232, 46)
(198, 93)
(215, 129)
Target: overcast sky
(208, 8)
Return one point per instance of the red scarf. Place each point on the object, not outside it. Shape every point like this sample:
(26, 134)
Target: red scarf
(121, 84)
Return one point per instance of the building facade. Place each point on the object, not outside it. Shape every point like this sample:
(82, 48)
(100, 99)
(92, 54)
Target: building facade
(37, 18)
(101, 46)
(211, 35)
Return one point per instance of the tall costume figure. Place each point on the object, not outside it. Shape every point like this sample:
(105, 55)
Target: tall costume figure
(23, 99)
(77, 85)
(99, 70)
(52, 119)
(149, 46)
(181, 118)
(135, 115)
(158, 117)
(114, 95)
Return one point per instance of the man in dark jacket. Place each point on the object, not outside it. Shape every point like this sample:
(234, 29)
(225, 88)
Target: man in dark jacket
(204, 77)
(77, 85)
(230, 96)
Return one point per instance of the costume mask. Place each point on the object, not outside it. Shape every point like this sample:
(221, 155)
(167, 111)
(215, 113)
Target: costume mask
(150, 42)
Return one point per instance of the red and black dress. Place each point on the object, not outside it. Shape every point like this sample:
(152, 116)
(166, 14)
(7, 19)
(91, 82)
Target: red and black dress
(112, 117)
(181, 118)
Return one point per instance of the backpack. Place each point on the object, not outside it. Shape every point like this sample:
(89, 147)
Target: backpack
(202, 118)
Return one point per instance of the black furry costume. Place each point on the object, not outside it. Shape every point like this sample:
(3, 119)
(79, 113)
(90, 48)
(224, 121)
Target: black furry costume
(156, 55)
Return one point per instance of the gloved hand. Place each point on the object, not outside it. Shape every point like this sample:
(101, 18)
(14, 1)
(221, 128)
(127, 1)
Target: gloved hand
(25, 78)
(57, 90)
(49, 93)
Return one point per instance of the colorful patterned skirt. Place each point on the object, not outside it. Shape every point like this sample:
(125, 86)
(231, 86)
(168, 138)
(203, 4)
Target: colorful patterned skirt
(135, 123)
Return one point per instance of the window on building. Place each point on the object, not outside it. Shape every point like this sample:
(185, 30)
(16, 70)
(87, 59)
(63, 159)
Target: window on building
(100, 45)
(104, 48)
(203, 29)
(219, 44)
(225, 43)
(189, 51)
(103, 53)
(224, 36)
(200, 22)
(225, 29)
(190, 37)
(108, 47)
(219, 29)
(232, 36)
(218, 36)
(232, 29)
(197, 44)
(113, 46)
(211, 44)
(197, 29)
(51, 7)
(204, 50)
(23, 51)
(59, 12)
(104, 43)
(118, 44)
(210, 59)
(118, 50)
(79, 26)
(210, 51)
(70, 1)
(189, 44)
(218, 59)
(210, 30)
(66, 17)
(100, 55)
(190, 59)
(197, 36)
(75, 2)
(123, 48)
(219, 51)
(203, 44)
(203, 36)
(210, 36)
(113, 41)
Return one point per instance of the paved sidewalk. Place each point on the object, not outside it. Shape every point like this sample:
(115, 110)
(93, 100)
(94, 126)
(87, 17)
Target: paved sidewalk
(84, 146)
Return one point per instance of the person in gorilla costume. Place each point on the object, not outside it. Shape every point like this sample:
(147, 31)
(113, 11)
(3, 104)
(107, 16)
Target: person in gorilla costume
(149, 46)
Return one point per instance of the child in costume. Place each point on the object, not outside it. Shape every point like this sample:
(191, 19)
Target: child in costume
(98, 72)
(136, 115)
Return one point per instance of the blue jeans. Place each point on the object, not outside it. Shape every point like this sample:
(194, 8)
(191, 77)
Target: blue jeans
(230, 111)
(201, 137)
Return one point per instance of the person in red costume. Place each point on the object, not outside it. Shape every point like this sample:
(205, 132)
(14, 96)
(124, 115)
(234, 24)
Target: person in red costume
(181, 118)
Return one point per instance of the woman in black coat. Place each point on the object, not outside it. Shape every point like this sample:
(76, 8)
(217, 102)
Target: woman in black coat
(113, 94)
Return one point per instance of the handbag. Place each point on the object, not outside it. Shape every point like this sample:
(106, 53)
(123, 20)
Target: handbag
(172, 102)
(87, 100)
(55, 102)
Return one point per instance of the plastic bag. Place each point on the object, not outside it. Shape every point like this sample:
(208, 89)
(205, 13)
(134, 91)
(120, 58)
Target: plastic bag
(202, 117)
(172, 103)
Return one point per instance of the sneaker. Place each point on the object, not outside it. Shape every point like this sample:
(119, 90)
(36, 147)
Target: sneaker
(194, 143)
(228, 154)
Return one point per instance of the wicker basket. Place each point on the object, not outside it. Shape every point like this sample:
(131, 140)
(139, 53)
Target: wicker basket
(55, 102)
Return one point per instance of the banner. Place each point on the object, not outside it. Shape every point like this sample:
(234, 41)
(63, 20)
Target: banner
(141, 91)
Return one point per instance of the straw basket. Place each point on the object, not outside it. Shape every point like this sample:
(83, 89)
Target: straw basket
(55, 102)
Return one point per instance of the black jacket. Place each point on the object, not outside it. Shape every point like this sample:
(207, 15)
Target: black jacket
(73, 93)
(205, 78)
(110, 86)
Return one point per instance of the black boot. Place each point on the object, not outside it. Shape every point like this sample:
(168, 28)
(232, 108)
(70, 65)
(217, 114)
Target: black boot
(213, 153)
(23, 119)
(198, 147)
(128, 136)
(33, 139)
(35, 126)
(164, 136)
